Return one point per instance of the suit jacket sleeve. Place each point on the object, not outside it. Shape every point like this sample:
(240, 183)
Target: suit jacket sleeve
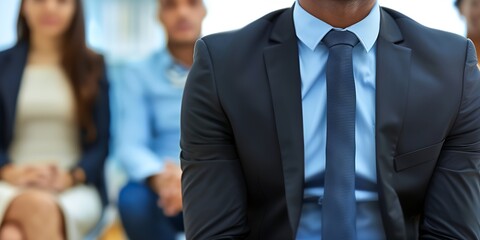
(4, 159)
(95, 153)
(214, 193)
(3, 156)
(452, 206)
(3, 152)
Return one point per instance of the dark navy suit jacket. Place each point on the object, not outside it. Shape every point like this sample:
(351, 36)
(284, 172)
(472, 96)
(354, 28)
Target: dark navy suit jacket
(12, 65)
(242, 134)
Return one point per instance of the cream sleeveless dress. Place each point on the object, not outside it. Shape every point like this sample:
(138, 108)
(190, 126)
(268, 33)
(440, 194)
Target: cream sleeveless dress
(46, 133)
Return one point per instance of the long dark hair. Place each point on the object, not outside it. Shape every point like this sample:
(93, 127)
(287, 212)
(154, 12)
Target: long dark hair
(83, 67)
(458, 3)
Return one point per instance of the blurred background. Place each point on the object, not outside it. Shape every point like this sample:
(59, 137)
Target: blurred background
(127, 30)
(113, 25)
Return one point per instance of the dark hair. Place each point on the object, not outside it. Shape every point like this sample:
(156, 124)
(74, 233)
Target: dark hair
(83, 67)
(458, 3)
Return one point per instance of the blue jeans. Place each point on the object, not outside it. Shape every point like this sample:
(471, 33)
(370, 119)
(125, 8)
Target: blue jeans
(142, 218)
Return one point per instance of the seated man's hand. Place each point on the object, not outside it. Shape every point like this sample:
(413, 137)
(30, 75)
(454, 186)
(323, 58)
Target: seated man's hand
(167, 185)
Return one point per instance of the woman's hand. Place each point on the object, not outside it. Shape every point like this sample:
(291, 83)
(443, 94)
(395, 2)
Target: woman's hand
(28, 176)
(46, 177)
(62, 180)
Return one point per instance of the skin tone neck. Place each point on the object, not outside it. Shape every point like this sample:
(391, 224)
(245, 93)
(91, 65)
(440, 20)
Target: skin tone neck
(44, 50)
(182, 52)
(338, 13)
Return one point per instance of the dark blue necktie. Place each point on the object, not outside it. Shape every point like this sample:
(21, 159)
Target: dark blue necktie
(339, 205)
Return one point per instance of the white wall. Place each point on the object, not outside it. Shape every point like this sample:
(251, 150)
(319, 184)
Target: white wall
(230, 14)
(222, 15)
(440, 14)
(8, 18)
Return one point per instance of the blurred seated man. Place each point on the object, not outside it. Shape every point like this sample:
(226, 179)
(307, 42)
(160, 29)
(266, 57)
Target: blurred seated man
(150, 204)
(470, 10)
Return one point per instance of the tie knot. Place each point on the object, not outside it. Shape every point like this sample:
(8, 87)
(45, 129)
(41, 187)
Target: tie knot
(335, 37)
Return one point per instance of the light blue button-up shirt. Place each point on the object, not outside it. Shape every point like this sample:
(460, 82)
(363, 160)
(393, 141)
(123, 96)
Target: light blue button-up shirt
(148, 132)
(313, 55)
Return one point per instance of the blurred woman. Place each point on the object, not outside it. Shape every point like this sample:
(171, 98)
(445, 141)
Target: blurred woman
(54, 126)
(470, 10)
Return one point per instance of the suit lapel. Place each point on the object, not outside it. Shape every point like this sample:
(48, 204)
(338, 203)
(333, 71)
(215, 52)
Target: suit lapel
(393, 76)
(10, 85)
(282, 65)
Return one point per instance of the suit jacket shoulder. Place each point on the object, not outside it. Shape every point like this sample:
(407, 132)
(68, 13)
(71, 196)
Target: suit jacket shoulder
(235, 43)
(249, 32)
(432, 45)
(235, 51)
(6, 52)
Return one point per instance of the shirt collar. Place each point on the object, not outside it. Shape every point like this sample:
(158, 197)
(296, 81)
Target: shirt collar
(164, 58)
(366, 30)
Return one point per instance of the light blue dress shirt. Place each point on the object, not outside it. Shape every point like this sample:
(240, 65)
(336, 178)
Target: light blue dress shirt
(313, 56)
(148, 132)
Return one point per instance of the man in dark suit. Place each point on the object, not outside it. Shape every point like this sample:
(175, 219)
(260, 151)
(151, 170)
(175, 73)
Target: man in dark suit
(332, 120)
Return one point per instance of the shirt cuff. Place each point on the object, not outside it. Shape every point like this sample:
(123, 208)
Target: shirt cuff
(140, 165)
